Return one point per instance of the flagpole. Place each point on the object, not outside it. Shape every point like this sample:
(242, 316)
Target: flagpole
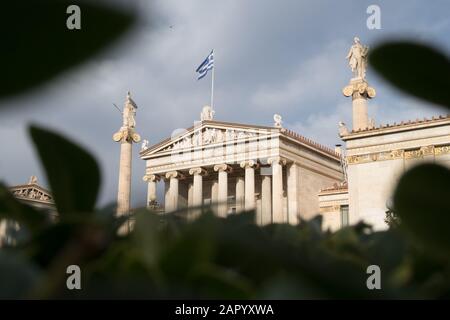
(212, 85)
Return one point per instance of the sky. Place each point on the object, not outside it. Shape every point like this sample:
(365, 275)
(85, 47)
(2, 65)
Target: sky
(285, 57)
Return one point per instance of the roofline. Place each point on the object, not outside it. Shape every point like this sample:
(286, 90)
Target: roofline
(288, 133)
(398, 127)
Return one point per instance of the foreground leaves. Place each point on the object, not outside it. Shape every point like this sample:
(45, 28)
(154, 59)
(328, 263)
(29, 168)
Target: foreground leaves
(417, 69)
(421, 201)
(39, 46)
(73, 174)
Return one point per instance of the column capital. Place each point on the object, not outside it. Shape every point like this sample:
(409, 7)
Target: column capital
(223, 167)
(277, 160)
(249, 164)
(198, 171)
(151, 178)
(174, 174)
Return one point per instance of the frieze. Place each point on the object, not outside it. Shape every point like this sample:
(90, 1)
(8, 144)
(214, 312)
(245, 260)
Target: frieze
(399, 154)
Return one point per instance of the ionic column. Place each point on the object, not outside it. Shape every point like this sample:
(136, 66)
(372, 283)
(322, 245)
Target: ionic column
(266, 200)
(197, 197)
(222, 198)
(190, 194)
(249, 167)
(151, 180)
(277, 188)
(240, 194)
(173, 177)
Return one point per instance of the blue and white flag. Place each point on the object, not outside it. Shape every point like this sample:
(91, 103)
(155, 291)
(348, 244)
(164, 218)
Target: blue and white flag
(206, 65)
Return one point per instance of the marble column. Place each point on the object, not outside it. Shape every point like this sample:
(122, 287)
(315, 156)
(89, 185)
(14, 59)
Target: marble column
(190, 194)
(292, 193)
(197, 197)
(240, 194)
(266, 200)
(249, 167)
(223, 171)
(277, 188)
(173, 177)
(151, 180)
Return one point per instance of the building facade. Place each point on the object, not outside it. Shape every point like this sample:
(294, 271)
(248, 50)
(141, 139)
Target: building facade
(33, 195)
(237, 167)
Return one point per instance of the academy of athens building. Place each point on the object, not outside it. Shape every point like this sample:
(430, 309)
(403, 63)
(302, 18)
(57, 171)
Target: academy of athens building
(242, 167)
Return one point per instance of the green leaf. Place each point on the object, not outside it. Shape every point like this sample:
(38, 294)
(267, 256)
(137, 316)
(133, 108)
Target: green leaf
(72, 172)
(17, 276)
(11, 208)
(416, 69)
(39, 46)
(421, 202)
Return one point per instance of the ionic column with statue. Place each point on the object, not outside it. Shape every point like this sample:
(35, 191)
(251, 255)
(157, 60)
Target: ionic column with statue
(126, 136)
(358, 88)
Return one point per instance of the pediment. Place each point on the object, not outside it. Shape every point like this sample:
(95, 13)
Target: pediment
(210, 133)
(31, 192)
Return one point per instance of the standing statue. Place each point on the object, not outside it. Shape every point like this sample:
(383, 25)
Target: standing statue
(357, 58)
(129, 113)
(207, 113)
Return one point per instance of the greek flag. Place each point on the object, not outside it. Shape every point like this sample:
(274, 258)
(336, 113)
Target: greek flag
(206, 65)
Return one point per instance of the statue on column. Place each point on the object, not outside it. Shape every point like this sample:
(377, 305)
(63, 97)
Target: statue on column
(129, 112)
(357, 58)
(127, 132)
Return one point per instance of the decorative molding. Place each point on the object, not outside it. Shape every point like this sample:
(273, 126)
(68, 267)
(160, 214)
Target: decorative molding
(223, 167)
(277, 160)
(198, 171)
(174, 174)
(151, 178)
(249, 164)
(400, 154)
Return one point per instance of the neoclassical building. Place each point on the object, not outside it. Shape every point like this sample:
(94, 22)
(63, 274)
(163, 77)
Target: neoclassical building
(241, 167)
(31, 194)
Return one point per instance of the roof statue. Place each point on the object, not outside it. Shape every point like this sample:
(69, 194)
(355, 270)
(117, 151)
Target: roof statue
(277, 121)
(33, 180)
(207, 113)
(357, 58)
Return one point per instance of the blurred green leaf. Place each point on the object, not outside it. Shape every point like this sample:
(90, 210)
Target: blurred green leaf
(421, 200)
(39, 46)
(17, 276)
(417, 69)
(73, 173)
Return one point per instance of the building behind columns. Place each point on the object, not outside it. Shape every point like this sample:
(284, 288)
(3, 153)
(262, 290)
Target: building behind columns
(237, 167)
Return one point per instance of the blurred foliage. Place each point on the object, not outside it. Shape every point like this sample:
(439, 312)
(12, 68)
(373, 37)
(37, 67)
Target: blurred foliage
(415, 68)
(38, 46)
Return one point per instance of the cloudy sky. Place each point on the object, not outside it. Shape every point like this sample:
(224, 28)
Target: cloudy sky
(285, 57)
